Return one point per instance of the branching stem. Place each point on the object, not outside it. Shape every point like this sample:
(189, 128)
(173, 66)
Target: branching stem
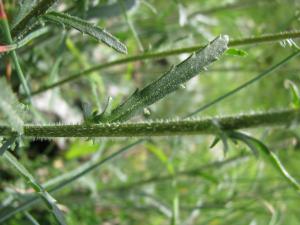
(161, 128)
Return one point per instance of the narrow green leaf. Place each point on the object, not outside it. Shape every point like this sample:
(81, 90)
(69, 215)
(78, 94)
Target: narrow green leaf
(215, 142)
(48, 199)
(236, 52)
(159, 153)
(268, 156)
(87, 28)
(295, 94)
(31, 219)
(7, 144)
(80, 148)
(24, 41)
(221, 135)
(131, 26)
(170, 81)
(175, 209)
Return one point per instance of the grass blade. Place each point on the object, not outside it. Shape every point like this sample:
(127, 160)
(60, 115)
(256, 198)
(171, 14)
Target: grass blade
(268, 156)
(78, 173)
(87, 28)
(31, 219)
(7, 144)
(295, 94)
(131, 26)
(49, 200)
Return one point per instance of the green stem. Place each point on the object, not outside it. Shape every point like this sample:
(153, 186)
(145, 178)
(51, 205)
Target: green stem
(231, 6)
(131, 26)
(156, 55)
(39, 9)
(161, 128)
(8, 38)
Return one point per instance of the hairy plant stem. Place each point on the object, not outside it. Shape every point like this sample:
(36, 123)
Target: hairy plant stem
(156, 55)
(39, 9)
(161, 128)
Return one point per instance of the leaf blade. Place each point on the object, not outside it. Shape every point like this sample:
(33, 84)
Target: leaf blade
(87, 28)
(268, 155)
(170, 81)
(48, 199)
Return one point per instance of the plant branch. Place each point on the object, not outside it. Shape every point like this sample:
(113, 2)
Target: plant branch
(161, 128)
(157, 55)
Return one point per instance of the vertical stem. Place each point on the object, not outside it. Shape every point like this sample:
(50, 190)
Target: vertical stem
(131, 27)
(8, 38)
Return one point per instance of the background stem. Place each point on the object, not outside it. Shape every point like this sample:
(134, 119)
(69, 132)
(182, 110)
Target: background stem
(156, 55)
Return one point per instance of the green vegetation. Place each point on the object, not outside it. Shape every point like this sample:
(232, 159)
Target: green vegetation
(149, 112)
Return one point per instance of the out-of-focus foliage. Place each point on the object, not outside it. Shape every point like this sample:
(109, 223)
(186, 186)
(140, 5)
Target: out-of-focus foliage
(177, 180)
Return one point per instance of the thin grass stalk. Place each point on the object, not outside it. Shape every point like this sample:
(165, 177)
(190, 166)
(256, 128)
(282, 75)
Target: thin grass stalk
(156, 55)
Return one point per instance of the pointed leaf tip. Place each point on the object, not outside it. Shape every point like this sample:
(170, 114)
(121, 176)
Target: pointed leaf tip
(236, 52)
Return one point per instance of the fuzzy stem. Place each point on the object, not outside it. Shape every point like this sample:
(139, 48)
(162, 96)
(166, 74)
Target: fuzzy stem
(157, 55)
(161, 128)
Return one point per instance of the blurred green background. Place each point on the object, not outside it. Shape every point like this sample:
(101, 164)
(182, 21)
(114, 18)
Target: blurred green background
(163, 177)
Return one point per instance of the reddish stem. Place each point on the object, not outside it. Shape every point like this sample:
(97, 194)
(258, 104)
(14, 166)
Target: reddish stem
(2, 11)
(3, 48)
(8, 70)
